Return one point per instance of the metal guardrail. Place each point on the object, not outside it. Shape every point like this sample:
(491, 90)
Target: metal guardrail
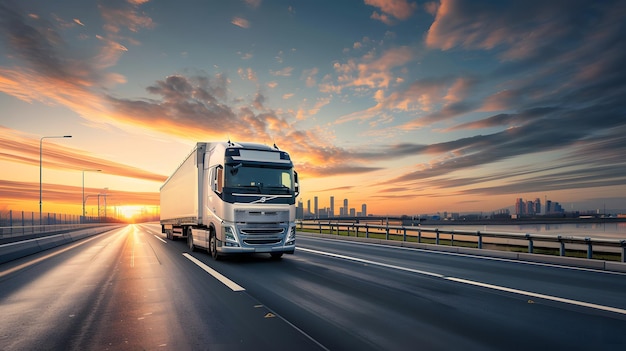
(22, 231)
(12, 248)
(478, 237)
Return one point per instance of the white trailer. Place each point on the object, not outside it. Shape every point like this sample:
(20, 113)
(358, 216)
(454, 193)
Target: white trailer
(232, 198)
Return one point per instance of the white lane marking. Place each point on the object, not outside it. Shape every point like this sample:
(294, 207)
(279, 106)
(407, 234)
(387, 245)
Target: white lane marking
(158, 237)
(217, 275)
(541, 296)
(471, 282)
(235, 287)
(371, 262)
(487, 258)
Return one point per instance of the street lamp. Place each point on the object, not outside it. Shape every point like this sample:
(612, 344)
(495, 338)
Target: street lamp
(87, 170)
(40, 168)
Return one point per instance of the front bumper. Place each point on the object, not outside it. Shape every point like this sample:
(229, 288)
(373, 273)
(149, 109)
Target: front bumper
(288, 249)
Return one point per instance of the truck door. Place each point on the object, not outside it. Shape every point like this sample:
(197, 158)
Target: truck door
(216, 182)
(210, 190)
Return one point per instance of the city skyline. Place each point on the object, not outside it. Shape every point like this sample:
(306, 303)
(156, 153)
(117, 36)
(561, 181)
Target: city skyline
(520, 207)
(329, 211)
(408, 106)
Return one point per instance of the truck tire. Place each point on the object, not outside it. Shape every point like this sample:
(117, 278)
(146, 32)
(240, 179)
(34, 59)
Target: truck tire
(192, 247)
(213, 247)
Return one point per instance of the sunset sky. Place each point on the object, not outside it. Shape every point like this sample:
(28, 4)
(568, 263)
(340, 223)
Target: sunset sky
(408, 106)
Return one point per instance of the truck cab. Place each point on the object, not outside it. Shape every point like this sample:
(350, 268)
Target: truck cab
(250, 199)
(232, 198)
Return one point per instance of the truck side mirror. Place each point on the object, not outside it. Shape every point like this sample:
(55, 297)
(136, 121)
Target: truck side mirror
(296, 184)
(218, 182)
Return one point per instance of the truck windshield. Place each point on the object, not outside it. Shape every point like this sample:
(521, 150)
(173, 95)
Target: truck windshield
(258, 179)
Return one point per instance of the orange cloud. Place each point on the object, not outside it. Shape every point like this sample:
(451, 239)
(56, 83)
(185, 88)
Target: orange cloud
(285, 72)
(240, 22)
(17, 148)
(25, 192)
(521, 29)
(184, 105)
(124, 14)
(434, 99)
(502, 100)
(400, 9)
(369, 72)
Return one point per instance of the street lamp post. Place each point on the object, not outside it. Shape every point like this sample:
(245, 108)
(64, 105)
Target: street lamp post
(40, 166)
(87, 170)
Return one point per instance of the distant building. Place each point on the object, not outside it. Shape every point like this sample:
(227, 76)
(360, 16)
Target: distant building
(314, 210)
(537, 206)
(532, 208)
(300, 210)
(502, 213)
(323, 213)
(557, 208)
(308, 207)
(519, 206)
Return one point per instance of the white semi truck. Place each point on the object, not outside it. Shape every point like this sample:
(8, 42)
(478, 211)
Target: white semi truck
(232, 198)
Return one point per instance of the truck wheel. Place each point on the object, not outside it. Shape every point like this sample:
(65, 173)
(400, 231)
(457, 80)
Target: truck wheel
(213, 247)
(192, 247)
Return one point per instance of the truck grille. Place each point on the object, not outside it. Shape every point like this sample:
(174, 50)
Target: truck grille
(261, 241)
(256, 216)
(259, 231)
(262, 227)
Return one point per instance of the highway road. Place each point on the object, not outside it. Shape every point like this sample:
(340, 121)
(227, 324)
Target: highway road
(130, 289)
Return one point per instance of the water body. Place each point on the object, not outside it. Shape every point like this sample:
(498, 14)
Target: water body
(615, 230)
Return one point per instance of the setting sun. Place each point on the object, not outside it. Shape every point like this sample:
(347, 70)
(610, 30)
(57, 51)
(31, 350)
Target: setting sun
(130, 212)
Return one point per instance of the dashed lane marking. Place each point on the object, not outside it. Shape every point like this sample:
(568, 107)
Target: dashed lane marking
(217, 275)
(472, 282)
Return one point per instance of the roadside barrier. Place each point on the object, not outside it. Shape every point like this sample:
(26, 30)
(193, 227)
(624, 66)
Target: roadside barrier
(530, 243)
(56, 235)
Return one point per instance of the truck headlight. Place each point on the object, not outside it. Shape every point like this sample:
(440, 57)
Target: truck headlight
(291, 237)
(229, 237)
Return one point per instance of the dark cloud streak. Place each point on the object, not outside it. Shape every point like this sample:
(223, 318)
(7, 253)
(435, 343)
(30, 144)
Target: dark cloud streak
(565, 92)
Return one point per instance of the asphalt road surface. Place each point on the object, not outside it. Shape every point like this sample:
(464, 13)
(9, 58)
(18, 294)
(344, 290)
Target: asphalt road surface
(130, 289)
